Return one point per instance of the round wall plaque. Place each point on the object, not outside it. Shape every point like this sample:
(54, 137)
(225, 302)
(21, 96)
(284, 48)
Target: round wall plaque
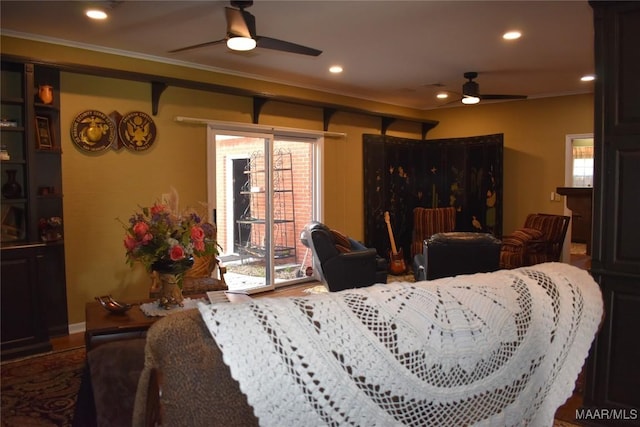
(93, 130)
(137, 131)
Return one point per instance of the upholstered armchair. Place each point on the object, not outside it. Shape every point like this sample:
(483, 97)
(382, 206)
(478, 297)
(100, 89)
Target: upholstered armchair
(340, 261)
(429, 221)
(539, 240)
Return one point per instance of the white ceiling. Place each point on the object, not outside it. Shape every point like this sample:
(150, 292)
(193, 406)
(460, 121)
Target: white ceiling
(397, 52)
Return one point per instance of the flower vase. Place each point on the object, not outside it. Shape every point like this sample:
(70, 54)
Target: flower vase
(170, 292)
(170, 277)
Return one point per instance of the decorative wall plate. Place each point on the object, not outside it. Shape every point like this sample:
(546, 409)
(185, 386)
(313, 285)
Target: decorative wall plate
(137, 131)
(93, 130)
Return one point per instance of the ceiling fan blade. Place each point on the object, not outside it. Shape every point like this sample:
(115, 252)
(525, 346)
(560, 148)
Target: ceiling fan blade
(240, 23)
(196, 46)
(275, 44)
(502, 97)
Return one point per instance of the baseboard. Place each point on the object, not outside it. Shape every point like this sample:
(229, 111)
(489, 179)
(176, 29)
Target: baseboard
(77, 328)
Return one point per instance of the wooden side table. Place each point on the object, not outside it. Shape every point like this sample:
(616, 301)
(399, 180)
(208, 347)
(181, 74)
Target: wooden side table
(102, 326)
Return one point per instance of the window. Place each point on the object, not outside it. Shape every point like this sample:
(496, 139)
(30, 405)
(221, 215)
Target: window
(582, 150)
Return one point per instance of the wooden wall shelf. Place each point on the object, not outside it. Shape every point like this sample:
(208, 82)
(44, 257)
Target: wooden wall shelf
(160, 83)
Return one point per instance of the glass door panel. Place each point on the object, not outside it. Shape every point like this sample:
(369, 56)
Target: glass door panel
(264, 198)
(241, 200)
(293, 202)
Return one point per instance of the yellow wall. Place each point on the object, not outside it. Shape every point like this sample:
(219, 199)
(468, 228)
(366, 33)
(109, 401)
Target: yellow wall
(102, 187)
(534, 146)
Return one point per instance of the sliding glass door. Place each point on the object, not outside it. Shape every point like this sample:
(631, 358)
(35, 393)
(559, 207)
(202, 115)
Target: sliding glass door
(265, 194)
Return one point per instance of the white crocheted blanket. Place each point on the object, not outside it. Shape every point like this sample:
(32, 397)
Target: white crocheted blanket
(495, 349)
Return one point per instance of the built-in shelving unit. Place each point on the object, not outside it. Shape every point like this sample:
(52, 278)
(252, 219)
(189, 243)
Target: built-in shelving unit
(34, 304)
(254, 217)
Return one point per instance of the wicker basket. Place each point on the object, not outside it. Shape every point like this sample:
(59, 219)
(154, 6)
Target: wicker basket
(202, 266)
(198, 280)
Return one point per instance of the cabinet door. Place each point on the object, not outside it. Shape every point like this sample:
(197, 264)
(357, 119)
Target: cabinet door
(51, 280)
(24, 329)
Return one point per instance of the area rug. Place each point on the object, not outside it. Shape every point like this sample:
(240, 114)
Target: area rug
(321, 289)
(41, 390)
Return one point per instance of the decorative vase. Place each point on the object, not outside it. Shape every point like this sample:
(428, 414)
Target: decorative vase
(45, 93)
(170, 277)
(170, 292)
(11, 189)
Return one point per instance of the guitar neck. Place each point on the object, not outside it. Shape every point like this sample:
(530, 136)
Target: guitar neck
(394, 250)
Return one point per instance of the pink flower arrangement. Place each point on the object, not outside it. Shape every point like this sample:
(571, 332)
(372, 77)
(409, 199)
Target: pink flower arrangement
(158, 236)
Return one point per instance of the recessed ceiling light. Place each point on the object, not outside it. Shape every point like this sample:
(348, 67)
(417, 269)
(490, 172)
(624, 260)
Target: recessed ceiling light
(335, 69)
(96, 14)
(442, 95)
(588, 78)
(512, 35)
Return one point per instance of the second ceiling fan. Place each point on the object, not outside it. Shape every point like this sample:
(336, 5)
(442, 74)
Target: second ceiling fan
(471, 91)
(242, 25)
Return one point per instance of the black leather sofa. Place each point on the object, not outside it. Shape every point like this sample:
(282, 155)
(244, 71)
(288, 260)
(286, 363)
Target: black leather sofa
(454, 253)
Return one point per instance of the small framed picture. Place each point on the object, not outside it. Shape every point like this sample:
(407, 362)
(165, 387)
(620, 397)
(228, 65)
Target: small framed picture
(43, 134)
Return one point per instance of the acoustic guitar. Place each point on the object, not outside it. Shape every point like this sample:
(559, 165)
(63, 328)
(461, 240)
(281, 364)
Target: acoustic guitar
(396, 258)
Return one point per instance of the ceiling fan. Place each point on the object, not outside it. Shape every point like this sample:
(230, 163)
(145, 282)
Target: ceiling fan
(242, 25)
(471, 91)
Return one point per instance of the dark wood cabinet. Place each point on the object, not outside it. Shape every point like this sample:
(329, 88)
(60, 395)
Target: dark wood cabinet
(34, 303)
(24, 327)
(613, 378)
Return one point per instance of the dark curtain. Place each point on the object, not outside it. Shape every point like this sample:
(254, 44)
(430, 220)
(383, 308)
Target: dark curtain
(401, 174)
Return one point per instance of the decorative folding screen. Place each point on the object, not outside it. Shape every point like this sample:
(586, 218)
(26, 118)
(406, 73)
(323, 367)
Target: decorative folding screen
(401, 174)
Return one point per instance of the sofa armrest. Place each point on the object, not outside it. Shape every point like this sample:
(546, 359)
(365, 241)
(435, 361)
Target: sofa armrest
(196, 385)
(351, 270)
(538, 244)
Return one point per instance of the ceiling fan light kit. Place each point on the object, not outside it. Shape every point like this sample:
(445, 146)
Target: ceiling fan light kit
(470, 100)
(240, 43)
